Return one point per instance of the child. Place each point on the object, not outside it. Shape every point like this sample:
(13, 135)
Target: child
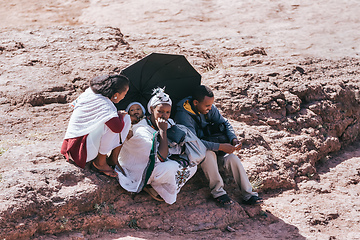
(136, 112)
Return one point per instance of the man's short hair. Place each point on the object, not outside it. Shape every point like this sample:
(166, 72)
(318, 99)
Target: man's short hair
(202, 91)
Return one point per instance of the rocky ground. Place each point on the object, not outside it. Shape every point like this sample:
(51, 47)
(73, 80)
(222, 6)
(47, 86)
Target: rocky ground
(294, 102)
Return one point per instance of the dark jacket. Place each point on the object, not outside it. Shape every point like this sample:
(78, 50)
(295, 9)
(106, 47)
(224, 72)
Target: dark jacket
(184, 115)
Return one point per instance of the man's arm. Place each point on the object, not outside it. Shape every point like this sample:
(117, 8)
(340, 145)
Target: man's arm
(185, 119)
(215, 117)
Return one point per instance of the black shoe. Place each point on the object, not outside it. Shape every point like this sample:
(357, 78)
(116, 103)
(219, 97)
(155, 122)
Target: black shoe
(253, 200)
(224, 201)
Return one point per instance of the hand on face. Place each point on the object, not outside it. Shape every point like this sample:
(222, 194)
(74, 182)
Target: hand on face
(161, 114)
(161, 124)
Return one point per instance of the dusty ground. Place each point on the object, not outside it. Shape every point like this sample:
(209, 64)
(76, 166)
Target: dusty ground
(322, 37)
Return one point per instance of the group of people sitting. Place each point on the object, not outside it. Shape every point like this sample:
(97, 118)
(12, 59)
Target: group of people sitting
(148, 151)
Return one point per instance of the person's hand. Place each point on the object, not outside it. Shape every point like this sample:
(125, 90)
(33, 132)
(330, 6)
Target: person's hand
(130, 134)
(237, 144)
(122, 113)
(162, 124)
(227, 148)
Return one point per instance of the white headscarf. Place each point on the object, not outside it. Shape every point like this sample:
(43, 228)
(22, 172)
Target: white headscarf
(159, 97)
(133, 103)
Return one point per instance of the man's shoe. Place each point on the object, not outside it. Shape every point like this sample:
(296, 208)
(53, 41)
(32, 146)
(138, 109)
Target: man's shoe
(253, 200)
(224, 201)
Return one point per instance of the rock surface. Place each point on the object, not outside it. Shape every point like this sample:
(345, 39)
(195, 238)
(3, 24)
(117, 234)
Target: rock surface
(293, 114)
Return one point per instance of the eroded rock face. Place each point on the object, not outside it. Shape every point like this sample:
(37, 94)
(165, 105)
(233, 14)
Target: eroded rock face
(290, 114)
(298, 116)
(49, 195)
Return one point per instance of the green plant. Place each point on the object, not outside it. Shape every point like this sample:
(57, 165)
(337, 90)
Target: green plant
(2, 150)
(256, 183)
(310, 175)
(133, 224)
(263, 213)
(112, 230)
(324, 126)
(63, 222)
(98, 208)
(112, 209)
(289, 129)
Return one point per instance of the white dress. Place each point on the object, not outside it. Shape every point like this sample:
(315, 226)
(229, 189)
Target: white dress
(102, 140)
(91, 112)
(166, 178)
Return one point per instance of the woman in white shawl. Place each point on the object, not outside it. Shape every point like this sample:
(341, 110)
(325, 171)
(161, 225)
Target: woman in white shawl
(143, 160)
(95, 127)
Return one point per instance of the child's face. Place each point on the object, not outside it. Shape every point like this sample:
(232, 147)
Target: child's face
(136, 111)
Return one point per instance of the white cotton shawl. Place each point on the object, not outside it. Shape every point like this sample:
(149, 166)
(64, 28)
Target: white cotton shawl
(134, 156)
(90, 110)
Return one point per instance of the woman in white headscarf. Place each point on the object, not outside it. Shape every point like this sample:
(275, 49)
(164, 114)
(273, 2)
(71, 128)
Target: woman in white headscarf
(143, 160)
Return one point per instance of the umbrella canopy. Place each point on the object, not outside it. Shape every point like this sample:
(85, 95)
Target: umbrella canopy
(173, 72)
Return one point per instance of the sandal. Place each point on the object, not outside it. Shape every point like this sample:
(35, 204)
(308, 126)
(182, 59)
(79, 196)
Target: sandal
(224, 201)
(109, 173)
(110, 163)
(153, 193)
(252, 200)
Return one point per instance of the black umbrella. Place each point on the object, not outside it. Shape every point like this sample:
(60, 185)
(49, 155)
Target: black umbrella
(173, 72)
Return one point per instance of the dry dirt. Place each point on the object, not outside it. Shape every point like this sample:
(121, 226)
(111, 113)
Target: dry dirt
(286, 74)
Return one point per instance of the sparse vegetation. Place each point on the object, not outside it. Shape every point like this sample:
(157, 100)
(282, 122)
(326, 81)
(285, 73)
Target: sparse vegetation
(112, 209)
(98, 208)
(63, 222)
(112, 230)
(256, 182)
(133, 224)
(2, 150)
